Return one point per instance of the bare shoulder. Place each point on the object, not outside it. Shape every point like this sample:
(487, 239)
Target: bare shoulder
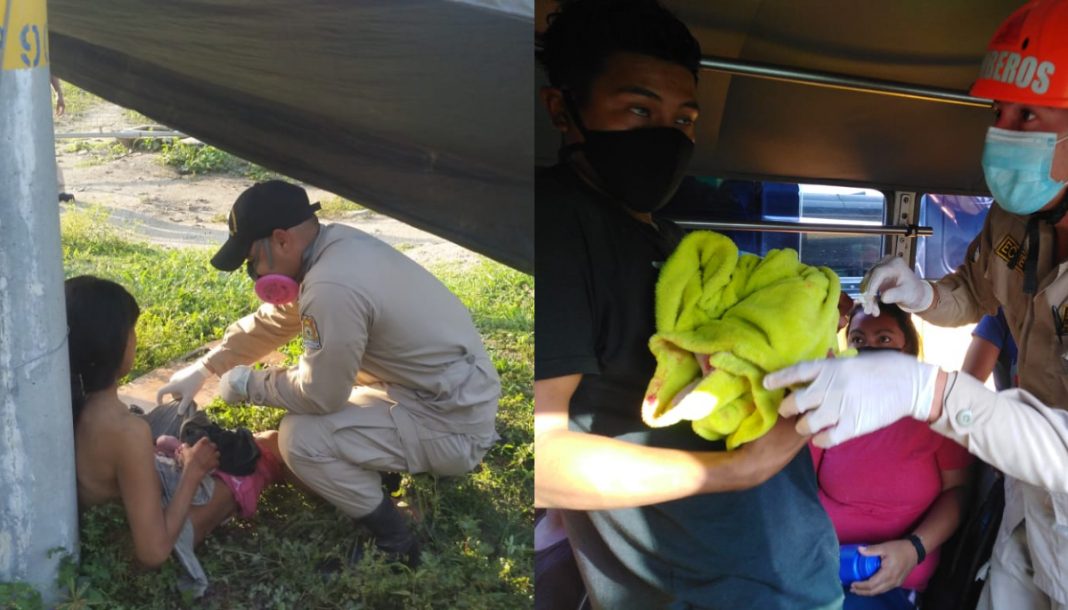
(133, 425)
(113, 427)
(107, 438)
(133, 436)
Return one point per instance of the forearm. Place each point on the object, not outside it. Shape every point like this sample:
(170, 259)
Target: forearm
(980, 359)
(174, 515)
(1011, 430)
(588, 472)
(942, 519)
(294, 390)
(251, 338)
(953, 305)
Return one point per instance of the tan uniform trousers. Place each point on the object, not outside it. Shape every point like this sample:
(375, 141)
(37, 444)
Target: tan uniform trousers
(340, 455)
(1010, 586)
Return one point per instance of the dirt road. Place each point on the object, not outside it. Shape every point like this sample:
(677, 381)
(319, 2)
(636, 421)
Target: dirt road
(153, 202)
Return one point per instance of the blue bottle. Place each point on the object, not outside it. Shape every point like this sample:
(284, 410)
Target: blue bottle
(853, 566)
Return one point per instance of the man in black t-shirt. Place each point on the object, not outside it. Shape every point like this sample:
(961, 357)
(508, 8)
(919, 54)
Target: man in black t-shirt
(664, 518)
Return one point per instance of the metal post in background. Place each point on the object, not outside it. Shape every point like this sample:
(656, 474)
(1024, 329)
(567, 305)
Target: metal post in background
(38, 497)
(905, 210)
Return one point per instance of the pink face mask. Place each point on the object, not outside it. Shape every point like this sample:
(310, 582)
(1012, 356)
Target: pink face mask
(277, 289)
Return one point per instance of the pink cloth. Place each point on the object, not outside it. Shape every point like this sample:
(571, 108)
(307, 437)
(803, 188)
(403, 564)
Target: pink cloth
(247, 488)
(878, 487)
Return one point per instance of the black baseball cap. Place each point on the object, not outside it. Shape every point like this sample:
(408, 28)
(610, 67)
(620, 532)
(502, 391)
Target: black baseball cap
(262, 208)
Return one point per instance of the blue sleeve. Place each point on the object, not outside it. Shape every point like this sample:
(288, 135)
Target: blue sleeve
(992, 328)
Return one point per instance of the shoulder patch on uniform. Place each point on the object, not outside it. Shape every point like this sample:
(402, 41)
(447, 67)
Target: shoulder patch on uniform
(1006, 249)
(309, 332)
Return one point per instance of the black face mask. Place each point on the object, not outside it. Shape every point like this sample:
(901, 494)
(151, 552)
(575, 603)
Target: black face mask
(870, 349)
(642, 168)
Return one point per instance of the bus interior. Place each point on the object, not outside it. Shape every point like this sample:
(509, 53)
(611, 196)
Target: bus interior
(845, 131)
(842, 130)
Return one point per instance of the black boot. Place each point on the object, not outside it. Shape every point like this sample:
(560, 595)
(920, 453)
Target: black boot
(392, 535)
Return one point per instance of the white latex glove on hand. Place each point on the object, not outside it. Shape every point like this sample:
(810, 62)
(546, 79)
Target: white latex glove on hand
(184, 385)
(849, 397)
(891, 281)
(233, 385)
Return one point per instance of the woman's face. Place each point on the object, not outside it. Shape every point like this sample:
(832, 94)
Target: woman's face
(870, 331)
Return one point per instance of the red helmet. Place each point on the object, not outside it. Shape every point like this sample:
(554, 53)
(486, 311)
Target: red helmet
(1027, 60)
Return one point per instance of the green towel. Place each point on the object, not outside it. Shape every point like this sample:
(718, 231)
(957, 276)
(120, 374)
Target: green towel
(743, 316)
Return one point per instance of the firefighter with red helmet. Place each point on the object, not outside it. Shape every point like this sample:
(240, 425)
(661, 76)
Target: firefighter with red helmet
(1019, 262)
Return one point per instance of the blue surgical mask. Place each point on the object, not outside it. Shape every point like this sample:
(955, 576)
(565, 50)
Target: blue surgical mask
(1017, 167)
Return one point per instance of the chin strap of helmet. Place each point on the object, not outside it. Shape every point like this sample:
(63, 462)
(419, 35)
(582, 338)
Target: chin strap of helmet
(1030, 243)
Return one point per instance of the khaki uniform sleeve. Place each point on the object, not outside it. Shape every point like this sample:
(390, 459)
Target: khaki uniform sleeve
(335, 322)
(1011, 430)
(964, 296)
(253, 337)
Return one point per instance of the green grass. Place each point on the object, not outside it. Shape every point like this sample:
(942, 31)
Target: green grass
(197, 158)
(337, 207)
(200, 159)
(477, 528)
(96, 152)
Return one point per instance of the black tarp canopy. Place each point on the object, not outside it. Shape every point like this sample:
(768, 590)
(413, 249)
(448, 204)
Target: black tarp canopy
(773, 130)
(419, 109)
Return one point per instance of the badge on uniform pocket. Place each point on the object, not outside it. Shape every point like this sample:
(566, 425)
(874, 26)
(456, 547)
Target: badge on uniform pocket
(309, 333)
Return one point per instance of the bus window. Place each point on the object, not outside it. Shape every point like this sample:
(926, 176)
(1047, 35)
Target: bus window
(743, 200)
(956, 220)
(850, 256)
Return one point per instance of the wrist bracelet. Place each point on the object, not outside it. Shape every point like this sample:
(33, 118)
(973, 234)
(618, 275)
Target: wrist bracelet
(917, 544)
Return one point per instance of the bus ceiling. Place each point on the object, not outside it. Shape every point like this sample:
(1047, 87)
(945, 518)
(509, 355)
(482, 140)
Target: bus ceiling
(870, 94)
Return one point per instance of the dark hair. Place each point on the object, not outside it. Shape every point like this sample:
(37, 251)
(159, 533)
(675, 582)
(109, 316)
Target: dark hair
(904, 322)
(100, 317)
(583, 34)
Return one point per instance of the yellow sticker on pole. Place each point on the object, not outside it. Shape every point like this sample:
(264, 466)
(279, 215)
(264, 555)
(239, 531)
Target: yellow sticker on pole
(23, 34)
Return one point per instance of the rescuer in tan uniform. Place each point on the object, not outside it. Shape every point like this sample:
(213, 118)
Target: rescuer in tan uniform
(393, 376)
(1019, 262)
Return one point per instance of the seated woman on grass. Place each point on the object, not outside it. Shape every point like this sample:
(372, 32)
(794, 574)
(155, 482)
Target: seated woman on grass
(114, 448)
(897, 490)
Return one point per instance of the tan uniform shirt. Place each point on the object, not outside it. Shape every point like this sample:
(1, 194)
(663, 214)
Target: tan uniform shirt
(1028, 440)
(368, 314)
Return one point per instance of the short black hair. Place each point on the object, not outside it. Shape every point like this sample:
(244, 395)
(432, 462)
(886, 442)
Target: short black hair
(100, 317)
(583, 34)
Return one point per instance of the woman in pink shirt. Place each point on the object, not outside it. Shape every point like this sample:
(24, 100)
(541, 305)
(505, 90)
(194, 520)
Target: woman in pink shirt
(898, 490)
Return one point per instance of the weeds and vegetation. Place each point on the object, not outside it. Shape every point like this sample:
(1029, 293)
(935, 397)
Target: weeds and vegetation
(259, 173)
(196, 159)
(337, 207)
(476, 528)
(97, 151)
(199, 159)
(18, 595)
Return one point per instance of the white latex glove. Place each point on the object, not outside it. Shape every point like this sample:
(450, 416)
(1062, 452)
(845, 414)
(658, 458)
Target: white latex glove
(891, 281)
(848, 397)
(233, 385)
(184, 385)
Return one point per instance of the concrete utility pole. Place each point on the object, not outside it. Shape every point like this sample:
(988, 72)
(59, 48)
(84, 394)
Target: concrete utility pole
(38, 497)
